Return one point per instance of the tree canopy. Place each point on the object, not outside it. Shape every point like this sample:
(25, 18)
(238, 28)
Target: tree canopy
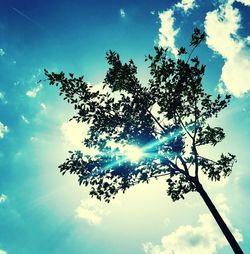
(165, 122)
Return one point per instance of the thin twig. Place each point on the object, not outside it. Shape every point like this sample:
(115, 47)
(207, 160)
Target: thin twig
(207, 159)
(184, 127)
(190, 54)
(155, 119)
(184, 164)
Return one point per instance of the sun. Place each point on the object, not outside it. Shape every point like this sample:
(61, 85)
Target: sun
(133, 153)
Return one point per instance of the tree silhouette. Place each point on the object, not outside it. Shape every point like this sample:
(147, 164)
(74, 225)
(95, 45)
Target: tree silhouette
(121, 115)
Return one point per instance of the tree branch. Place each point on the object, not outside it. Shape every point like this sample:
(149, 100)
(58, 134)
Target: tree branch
(155, 119)
(174, 166)
(207, 159)
(190, 54)
(154, 176)
(183, 126)
(184, 164)
(194, 137)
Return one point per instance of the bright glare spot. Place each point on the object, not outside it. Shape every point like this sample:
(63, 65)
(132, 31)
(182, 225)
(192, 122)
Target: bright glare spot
(133, 153)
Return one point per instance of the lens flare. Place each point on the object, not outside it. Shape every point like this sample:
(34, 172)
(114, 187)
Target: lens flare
(132, 153)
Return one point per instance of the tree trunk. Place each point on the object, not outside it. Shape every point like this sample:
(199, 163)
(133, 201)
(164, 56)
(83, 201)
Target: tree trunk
(227, 233)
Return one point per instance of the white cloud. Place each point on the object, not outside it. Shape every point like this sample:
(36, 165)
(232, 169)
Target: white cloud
(2, 52)
(245, 2)
(186, 5)
(204, 238)
(3, 130)
(167, 31)
(122, 13)
(74, 133)
(235, 74)
(25, 119)
(34, 91)
(221, 204)
(3, 198)
(221, 26)
(92, 211)
(3, 252)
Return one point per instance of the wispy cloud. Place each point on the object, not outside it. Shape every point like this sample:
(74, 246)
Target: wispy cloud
(222, 26)
(2, 98)
(43, 106)
(122, 13)
(3, 130)
(92, 211)
(22, 14)
(33, 92)
(221, 88)
(3, 198)
(34, 139)
(3, 252)
(25, 119)
(2, 52)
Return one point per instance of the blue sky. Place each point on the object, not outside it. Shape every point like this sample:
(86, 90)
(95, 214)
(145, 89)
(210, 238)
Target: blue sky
(43, 212)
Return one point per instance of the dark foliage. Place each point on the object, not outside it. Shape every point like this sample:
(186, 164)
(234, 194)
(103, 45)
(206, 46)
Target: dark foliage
(122, 113)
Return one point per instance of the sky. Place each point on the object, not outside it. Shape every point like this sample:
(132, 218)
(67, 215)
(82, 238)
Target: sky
(42, 212)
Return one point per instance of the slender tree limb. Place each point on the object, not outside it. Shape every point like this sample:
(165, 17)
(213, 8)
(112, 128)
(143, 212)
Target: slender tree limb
(154, 176)
(199, 156)
(155, 119)
(190, 54)
(196, 161)
(184, 164)
(194, 138)
(183, 126)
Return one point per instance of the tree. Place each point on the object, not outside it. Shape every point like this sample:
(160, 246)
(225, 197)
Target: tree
(170, 140)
